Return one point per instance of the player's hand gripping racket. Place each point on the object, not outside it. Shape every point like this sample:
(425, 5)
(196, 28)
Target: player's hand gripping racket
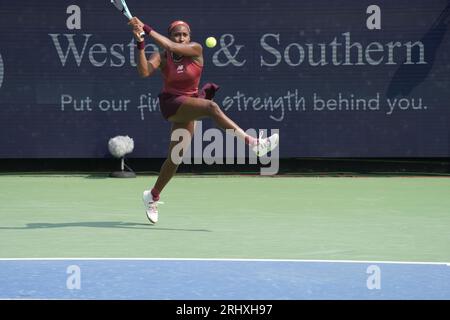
(121, 5)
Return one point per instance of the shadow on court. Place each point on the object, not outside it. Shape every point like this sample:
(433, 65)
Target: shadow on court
(98, 224)
(98, 176)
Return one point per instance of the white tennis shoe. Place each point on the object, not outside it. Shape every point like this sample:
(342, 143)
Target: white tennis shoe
(264, 145)
(151, 207)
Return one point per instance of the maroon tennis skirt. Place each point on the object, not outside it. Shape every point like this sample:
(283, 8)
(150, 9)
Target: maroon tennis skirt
(170, 103)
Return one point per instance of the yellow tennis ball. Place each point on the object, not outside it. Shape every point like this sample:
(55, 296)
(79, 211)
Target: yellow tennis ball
(211, 42)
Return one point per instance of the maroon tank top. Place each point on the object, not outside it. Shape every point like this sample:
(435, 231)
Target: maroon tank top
(181, 77)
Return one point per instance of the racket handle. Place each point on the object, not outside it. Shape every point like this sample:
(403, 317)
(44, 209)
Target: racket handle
(142, 34)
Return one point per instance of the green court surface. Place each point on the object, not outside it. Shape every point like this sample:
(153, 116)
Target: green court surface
(323, 218)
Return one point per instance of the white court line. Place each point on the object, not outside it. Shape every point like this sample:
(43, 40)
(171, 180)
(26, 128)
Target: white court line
(225, 259)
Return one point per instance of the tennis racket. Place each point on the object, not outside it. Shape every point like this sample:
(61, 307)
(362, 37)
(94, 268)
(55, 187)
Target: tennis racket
(121, 5)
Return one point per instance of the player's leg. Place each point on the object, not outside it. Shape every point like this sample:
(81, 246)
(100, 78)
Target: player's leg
(197, 108)
(168, 169)
(169, 166)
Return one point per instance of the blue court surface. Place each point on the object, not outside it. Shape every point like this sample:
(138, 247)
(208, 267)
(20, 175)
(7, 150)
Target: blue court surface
(205, 279)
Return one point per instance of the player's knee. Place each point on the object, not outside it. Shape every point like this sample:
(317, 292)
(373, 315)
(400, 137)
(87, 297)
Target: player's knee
(214, 109)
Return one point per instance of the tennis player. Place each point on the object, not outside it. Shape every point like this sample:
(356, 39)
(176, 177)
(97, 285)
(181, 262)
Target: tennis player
(181, 63)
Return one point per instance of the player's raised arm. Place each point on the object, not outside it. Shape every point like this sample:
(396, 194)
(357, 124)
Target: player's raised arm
(145, 67)
(180, 33)
(191, 49)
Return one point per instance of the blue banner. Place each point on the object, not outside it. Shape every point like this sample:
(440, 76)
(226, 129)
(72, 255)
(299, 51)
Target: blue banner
(337, 78)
